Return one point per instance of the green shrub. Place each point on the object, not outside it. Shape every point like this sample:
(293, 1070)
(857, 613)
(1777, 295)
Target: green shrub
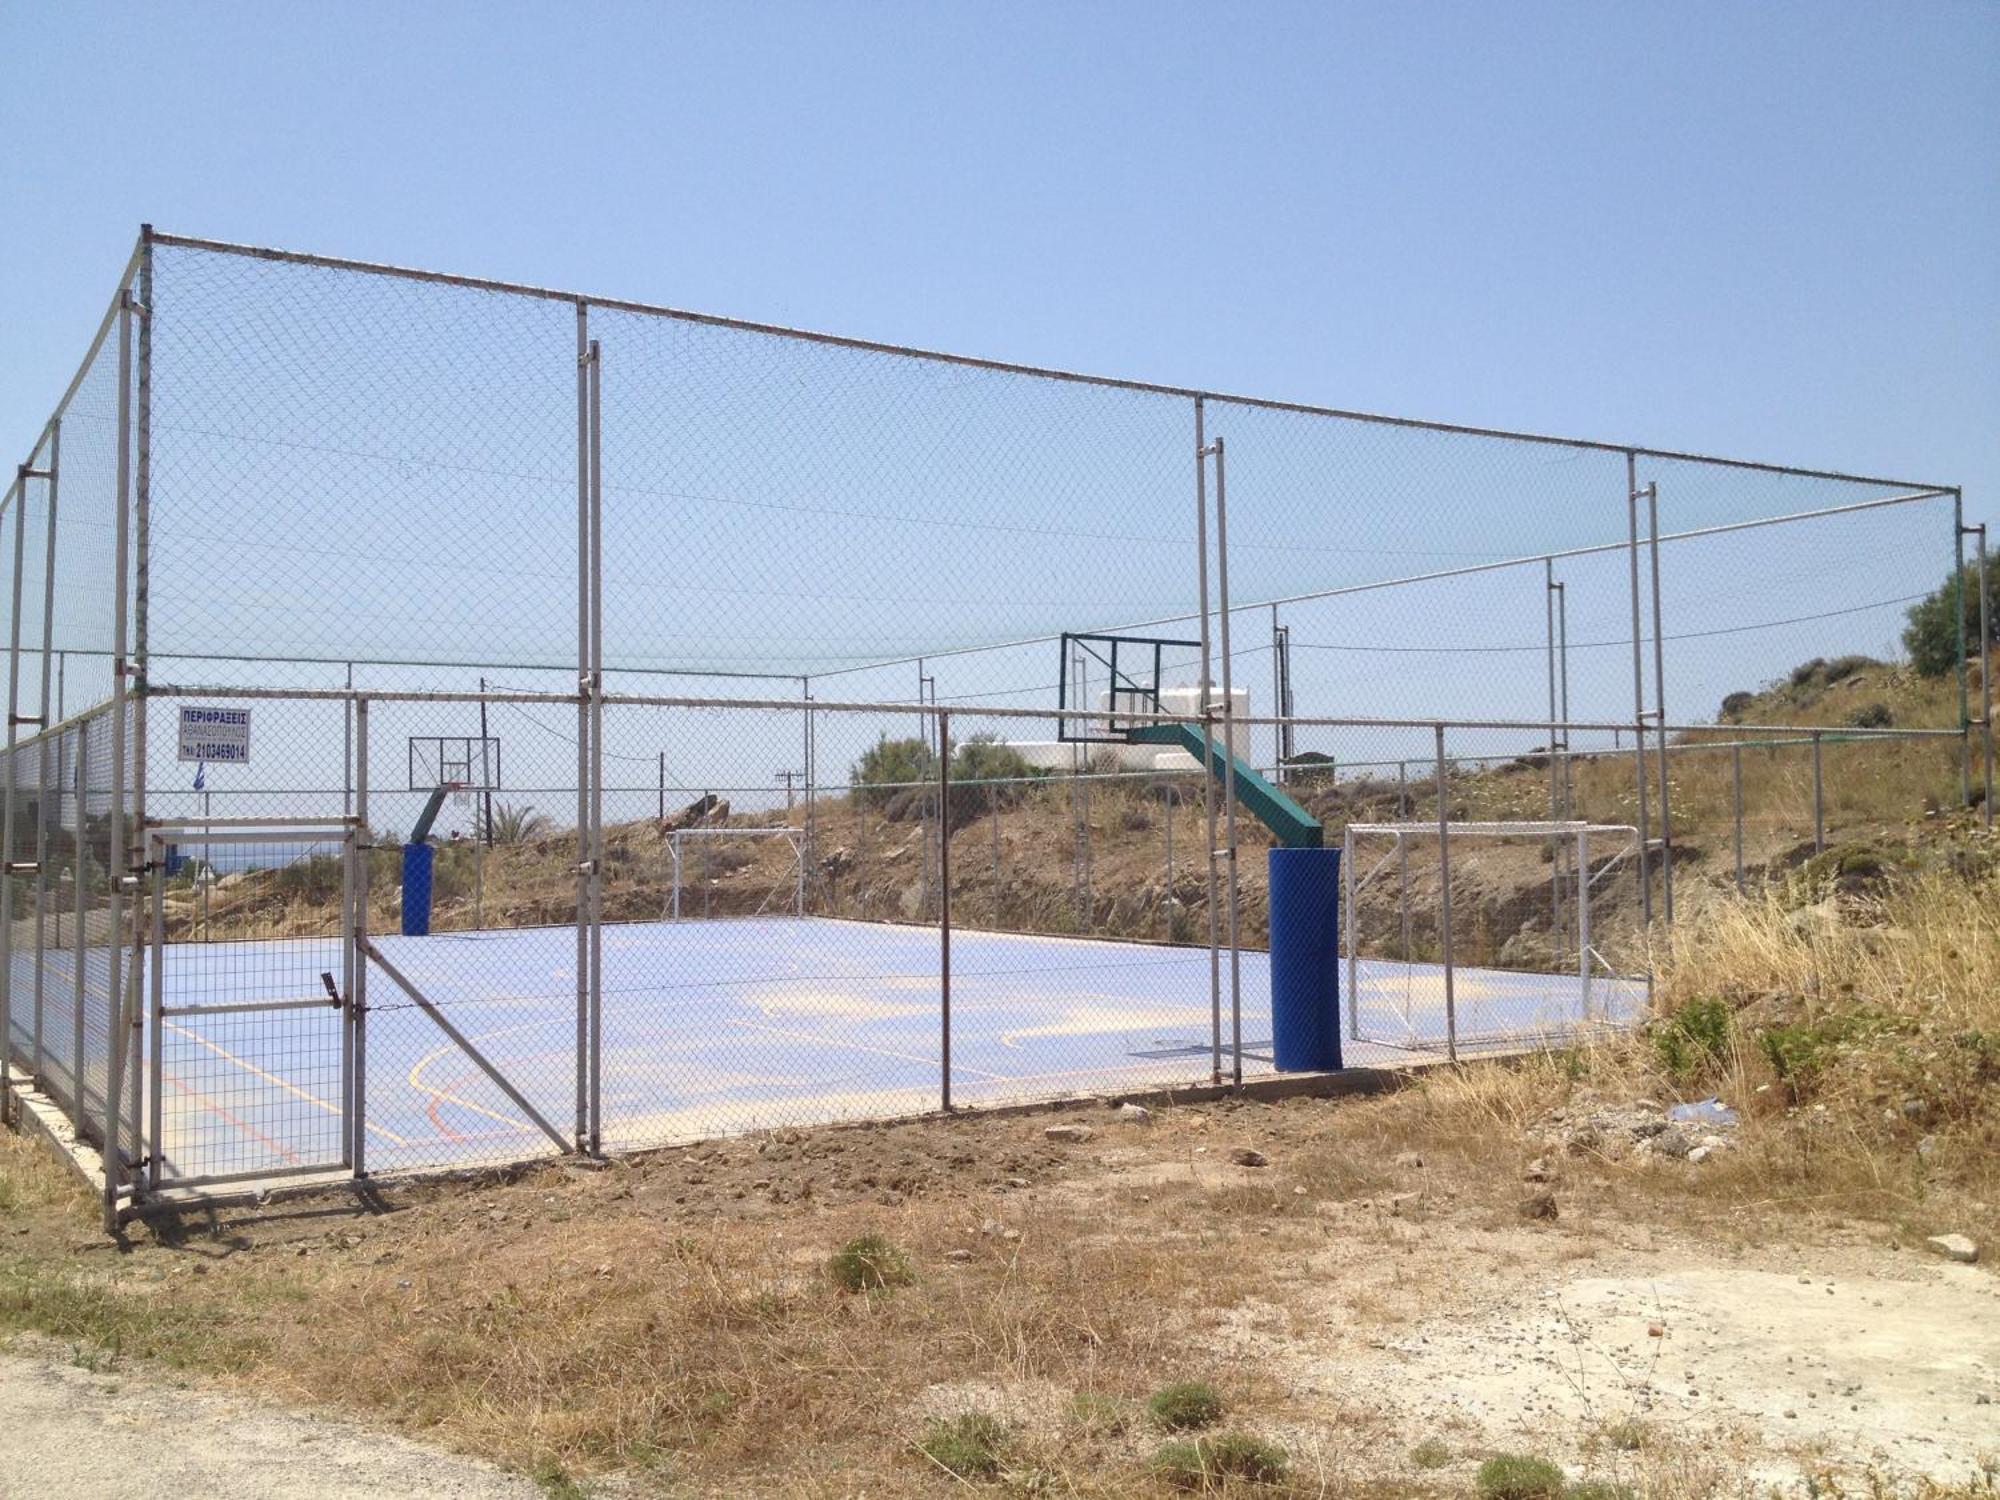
(1797, 1055)
(1186, 1404)
(1208, 1463)
(1872, 716)
(554, 1480)
(1694, 1039)
(1002, 770)
(1431, 1453)
(888, 766)
(1736, 705)
(1097, 1414)
(1931, 637)
(1598, 1489)
(868, 1264)
(970, 1445)
(1510, 1476)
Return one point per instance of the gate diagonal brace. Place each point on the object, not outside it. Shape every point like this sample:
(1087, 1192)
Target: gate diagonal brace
(402, 982)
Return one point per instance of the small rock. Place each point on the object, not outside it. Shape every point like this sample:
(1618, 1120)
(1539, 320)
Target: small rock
(1954, 1247)
(1137, 1114)
(1672, 1142)
(1927, 1148)
(1655, 1331)
(1017, 1182)
(1244, 1156)
(1538, 1170)
(1540, 1205)
(1408, 1159)
(1700, 1154)
(958, 1257)
(1074, 1135)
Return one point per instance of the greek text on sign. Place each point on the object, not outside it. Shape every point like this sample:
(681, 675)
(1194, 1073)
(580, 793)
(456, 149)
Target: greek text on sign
(218, 735)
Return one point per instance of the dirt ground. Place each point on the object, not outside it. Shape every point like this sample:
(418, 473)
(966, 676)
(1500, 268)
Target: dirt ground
(1353, 1296)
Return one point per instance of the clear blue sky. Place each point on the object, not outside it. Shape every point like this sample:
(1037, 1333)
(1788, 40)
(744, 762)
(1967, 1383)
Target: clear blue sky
(1767, 230)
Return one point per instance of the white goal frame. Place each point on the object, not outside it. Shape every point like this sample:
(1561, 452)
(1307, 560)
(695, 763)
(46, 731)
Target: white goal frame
(1573, 839)
(796, 837)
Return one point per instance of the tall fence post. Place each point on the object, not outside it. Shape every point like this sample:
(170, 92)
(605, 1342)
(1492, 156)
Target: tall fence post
(357, 999)
(146, 1147)
(944, 907)
(1985, 673)
(79, 883)
(1819, 798)
(1958, 529)
(1638, 686)
(116, 1020)
(1556, 842)
(1350, 934)
(1444, 900)
(1660, 708)
(596, 748)
(1207, 744)
(582, 726)
(1228, 768)
(1736, 806)
(13, 721)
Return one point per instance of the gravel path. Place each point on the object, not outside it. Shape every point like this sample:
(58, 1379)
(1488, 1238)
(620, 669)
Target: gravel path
(65, 1431)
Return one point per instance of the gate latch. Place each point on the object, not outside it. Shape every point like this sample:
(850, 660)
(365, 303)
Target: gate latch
(332, 989)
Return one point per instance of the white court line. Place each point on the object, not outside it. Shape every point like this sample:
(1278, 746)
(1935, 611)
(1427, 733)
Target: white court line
(276, 1082)
(827, 1041)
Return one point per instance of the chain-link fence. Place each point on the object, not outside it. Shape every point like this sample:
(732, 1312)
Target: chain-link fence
(453, 722)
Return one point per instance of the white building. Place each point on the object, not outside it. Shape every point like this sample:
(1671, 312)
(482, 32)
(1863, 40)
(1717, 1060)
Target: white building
(1063, 755)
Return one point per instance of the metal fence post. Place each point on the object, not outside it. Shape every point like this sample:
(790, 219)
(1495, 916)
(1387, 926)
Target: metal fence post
(1556, 923)
(1228, 767)
(596, 748)
(1736, 805)
(79, 879)
(1819, 799)
(1351, 934)
(582, 725)
(45, 785)
(1208, 745)
(146, 1148)
(357, 1000)
(1958, 625)
(1985, 672)
(114, 1167)
(1660, 708)
(13, 721)
(944, 907)
(1444, 901)
(1638, 684)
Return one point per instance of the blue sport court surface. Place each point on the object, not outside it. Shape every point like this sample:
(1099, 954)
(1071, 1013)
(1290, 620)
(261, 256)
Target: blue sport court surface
(737, 1024)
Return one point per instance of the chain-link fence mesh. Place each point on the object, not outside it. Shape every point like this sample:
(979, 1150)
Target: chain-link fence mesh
(665, 725)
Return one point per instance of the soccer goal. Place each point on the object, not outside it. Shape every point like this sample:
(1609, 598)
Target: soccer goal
(1489, 932)
(736, 872)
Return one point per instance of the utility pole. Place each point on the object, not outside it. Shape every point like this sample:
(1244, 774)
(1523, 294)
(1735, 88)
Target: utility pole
(485, 775)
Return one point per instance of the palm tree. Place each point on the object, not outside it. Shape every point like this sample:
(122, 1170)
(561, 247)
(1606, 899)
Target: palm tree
(516, 824)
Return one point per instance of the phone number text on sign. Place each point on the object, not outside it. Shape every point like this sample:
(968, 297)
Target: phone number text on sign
(218, 735)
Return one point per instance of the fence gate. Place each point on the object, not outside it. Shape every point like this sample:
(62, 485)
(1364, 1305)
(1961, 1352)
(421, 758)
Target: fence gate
(251, 1036)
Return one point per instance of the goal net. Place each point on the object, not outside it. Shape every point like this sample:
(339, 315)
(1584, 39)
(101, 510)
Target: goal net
(736, 872)
(1486, 933)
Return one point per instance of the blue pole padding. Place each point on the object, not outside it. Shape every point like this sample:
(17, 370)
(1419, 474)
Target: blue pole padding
(417, 889)
(1305, 959)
